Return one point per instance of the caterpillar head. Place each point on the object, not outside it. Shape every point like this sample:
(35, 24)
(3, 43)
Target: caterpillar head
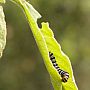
(65, 77)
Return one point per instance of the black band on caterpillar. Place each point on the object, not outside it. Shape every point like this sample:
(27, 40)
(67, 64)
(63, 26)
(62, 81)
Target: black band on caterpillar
(64, 75)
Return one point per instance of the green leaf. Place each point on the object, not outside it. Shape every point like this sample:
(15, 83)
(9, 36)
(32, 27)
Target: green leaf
(2, 31)
(62, 60)
(46, 42)
(2, 1)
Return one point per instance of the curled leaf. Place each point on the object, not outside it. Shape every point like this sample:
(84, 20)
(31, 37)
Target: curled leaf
(46, 42)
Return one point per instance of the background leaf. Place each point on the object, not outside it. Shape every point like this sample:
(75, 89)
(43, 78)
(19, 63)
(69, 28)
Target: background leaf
(2, 1)
(2, 31)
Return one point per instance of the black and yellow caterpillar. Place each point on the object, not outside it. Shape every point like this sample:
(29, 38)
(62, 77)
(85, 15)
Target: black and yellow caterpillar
(64, 74)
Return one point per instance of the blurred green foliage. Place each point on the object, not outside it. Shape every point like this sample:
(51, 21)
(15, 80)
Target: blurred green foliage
(22, 67)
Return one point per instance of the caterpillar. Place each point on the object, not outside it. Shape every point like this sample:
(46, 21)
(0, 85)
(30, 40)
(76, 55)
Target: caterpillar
(64, 74)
